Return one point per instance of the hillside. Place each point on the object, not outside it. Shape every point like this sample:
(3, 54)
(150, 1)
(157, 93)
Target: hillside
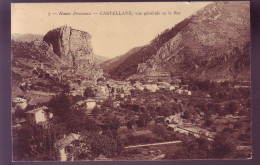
(109, 65)
(213, 43)
(63, 56)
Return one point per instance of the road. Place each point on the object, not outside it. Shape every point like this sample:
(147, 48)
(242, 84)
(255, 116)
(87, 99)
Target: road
(42, 93)
(153, 144)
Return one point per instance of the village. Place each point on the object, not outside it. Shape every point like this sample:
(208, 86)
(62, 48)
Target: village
(140, 106)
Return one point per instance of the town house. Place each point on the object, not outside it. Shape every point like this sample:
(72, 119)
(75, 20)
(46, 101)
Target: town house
(90, 104)
(20, 103)
(39, 116)
(64, 144)
(151, 87)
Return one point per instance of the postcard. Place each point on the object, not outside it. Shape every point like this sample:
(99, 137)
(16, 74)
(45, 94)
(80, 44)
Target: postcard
(109, 81)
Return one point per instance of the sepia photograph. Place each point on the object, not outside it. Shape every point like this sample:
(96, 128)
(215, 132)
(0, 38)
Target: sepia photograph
(135, 81)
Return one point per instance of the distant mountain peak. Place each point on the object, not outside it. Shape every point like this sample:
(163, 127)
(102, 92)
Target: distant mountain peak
(26, 37)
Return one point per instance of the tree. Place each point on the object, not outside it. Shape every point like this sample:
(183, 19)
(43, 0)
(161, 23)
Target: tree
(132, 81)
(19, 113)
(89, 92)
(224, 84)
(91, 125)
(107, 103)
(60, 105)
(73, 123)
(75, 120)
(195, 88)
(204, 85)
(223, 145)
(163, 97)
(160, 130)
(243, 112)
(192, 149)
(217, 108)
(66, 88)
(79, 82)
(112, 123)
(232, 107)
(222, 95)
(102, 144)
(146, 91)
(208, 122)
(202, 106)
(24, 141)
(248, 103)
(130, 124)
(101, 79)
(166, 110)
(96, 111)
(186, 115)
(135, 107)
(143, 120)
(183, 81)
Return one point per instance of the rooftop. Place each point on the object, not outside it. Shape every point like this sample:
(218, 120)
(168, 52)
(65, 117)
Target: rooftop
(81, 102)
(37, 109)
(66, 141)
(90, 100)
(44, 123)
(19, 100)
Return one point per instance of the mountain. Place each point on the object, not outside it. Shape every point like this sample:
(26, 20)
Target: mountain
(109, 65)
(213, 43)
(26, 37)
(65, 55)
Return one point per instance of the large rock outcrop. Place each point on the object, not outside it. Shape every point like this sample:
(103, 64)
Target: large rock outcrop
(74, 49)
(72, 46)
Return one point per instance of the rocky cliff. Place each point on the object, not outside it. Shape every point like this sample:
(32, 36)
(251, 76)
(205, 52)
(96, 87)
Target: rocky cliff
(213, 43)
(72, 46)
(75, 51)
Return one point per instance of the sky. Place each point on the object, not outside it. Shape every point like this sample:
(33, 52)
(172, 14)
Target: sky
(112, 35)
